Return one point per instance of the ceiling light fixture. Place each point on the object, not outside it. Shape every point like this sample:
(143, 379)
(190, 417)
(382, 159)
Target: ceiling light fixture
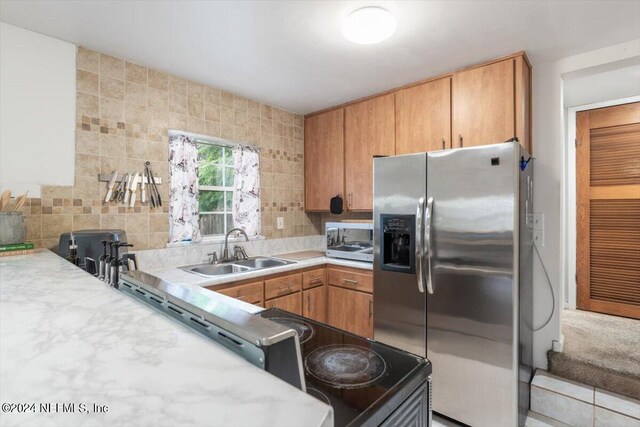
(369, 25)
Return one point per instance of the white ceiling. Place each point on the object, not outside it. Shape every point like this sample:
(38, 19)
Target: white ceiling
(292, 54)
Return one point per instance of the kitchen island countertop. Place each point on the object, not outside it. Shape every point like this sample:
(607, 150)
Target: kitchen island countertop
(66, 337)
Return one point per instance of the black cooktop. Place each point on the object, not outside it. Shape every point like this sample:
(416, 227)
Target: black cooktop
(362, 379)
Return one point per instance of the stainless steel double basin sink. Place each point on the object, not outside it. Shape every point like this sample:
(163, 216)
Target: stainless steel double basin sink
(240, 266)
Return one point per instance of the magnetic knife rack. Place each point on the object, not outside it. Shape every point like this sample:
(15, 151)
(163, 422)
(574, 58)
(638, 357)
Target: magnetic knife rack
(106, 177)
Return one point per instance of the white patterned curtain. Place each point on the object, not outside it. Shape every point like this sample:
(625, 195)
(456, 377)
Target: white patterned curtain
(183, 193)
(246, 189)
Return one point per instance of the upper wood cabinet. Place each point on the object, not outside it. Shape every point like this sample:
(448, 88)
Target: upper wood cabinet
(323, 159)
(369, 131)
(492, 104)
(423, 117)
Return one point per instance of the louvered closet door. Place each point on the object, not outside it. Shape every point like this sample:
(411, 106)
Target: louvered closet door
(608, 211)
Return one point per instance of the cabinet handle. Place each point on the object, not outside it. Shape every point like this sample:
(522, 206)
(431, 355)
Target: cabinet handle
(284, 288)
(308, 303)
(443, 144)
(315, 280)
(351, 281)
(370, 308)
(241, 298)
(460, 141)
(349, 200)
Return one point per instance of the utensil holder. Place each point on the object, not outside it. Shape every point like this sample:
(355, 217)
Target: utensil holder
(12, 228)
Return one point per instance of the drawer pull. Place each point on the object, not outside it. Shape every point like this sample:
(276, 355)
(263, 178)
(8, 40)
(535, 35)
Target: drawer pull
(285, 288)
(350, 281)
(316, 280)
(370, 308)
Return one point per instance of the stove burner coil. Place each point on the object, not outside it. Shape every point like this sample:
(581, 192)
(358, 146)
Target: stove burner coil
(345, 366)
(304, 330)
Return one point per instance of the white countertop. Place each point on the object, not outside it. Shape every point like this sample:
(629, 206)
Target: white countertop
(178, 276)
(66, 337)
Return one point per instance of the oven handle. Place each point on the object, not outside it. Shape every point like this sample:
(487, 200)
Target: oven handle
(420, 244)
(429, 221)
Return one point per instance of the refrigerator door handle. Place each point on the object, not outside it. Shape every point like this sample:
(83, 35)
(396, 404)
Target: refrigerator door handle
(419, 246)
(429, 221)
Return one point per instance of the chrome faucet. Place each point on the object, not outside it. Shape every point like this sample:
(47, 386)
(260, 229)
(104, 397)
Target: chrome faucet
(225, 254)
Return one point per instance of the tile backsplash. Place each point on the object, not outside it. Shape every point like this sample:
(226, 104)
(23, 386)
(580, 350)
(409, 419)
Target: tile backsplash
(123, 114)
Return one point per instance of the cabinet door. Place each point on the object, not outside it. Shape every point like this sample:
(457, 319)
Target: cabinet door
(291, 303)
(252, 292)
(423, 117)
(323, 159)
(314, 303)
(351, 311)
(369, 131)
(483, 105)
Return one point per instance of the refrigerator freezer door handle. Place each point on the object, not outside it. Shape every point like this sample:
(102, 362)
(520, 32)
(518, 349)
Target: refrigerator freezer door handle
(420, 243)
(429, 221)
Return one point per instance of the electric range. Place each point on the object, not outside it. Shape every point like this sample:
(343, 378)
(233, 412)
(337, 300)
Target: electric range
(366, 382)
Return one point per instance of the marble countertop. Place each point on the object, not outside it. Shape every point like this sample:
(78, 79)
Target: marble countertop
(178, 276)
(67, 337)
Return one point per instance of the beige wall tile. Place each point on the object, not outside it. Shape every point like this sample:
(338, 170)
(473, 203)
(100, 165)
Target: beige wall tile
(86, 188)
(177, 103)
(33, 225)
(159, 223)
(113, 221)
(135, 73)
(195, 107)
(239, 103)
(87, 82)
(158, 240)
(158, 80)
(212, 112)
(227, 116)
(87, 105)
(87, 142)
(195, 125)
(87, 164)
(136, 114)
(139, 241)
(111, 66)
(111, 109)
(111, 88)
(177, 85)
(86, 222)
(137, 223)
(135, 94)
(212, 128)
(226, 99)
(211, 95)
(136, 148)
(54, 225)
(50, 191)
(266, 112)
(195, 91)
(112, 145)
(158, 99)
(88, 60)
(157, 150)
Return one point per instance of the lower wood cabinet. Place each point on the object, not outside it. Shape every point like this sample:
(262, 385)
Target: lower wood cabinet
(251, 292)
(314, 303)
(350, 310)
(291, 303)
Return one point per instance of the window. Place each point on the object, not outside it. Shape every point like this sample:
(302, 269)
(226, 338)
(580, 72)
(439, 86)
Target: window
(215, 179)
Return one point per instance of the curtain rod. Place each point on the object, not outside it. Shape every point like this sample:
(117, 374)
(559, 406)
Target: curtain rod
(213, 139)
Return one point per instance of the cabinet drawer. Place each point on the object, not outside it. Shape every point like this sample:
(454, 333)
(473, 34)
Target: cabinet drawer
(284, 285)
(313, 278)
(351, 279)
(291, 303)
(251, 292)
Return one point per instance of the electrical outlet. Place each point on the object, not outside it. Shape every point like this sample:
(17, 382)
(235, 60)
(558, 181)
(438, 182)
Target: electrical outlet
(280, 223)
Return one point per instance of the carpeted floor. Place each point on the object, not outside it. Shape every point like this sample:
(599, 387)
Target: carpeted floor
(599, 350)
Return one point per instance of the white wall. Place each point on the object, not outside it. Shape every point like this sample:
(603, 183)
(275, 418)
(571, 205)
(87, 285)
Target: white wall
(37, 110)
(549, 147)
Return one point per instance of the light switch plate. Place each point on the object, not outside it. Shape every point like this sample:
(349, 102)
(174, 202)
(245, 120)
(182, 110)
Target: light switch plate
(280, 223)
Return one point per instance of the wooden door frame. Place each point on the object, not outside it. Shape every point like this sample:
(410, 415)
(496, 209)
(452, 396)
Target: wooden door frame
(582, 215)
(568, 206)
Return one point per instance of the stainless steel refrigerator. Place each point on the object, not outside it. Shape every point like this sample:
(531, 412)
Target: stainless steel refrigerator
(453, 274)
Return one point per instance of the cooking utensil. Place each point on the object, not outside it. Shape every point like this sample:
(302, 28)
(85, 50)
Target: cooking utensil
(121, 188)
(133, 187)
(20, 201)
(127, 192)
(4, 199)
(143, 190)
(112, 182)
(154, 185)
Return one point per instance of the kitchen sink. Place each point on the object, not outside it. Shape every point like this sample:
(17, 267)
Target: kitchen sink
(240, 266)
(259, 263)
(217, 270)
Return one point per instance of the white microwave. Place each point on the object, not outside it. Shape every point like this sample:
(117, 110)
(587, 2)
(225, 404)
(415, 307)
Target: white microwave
(350, 240)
